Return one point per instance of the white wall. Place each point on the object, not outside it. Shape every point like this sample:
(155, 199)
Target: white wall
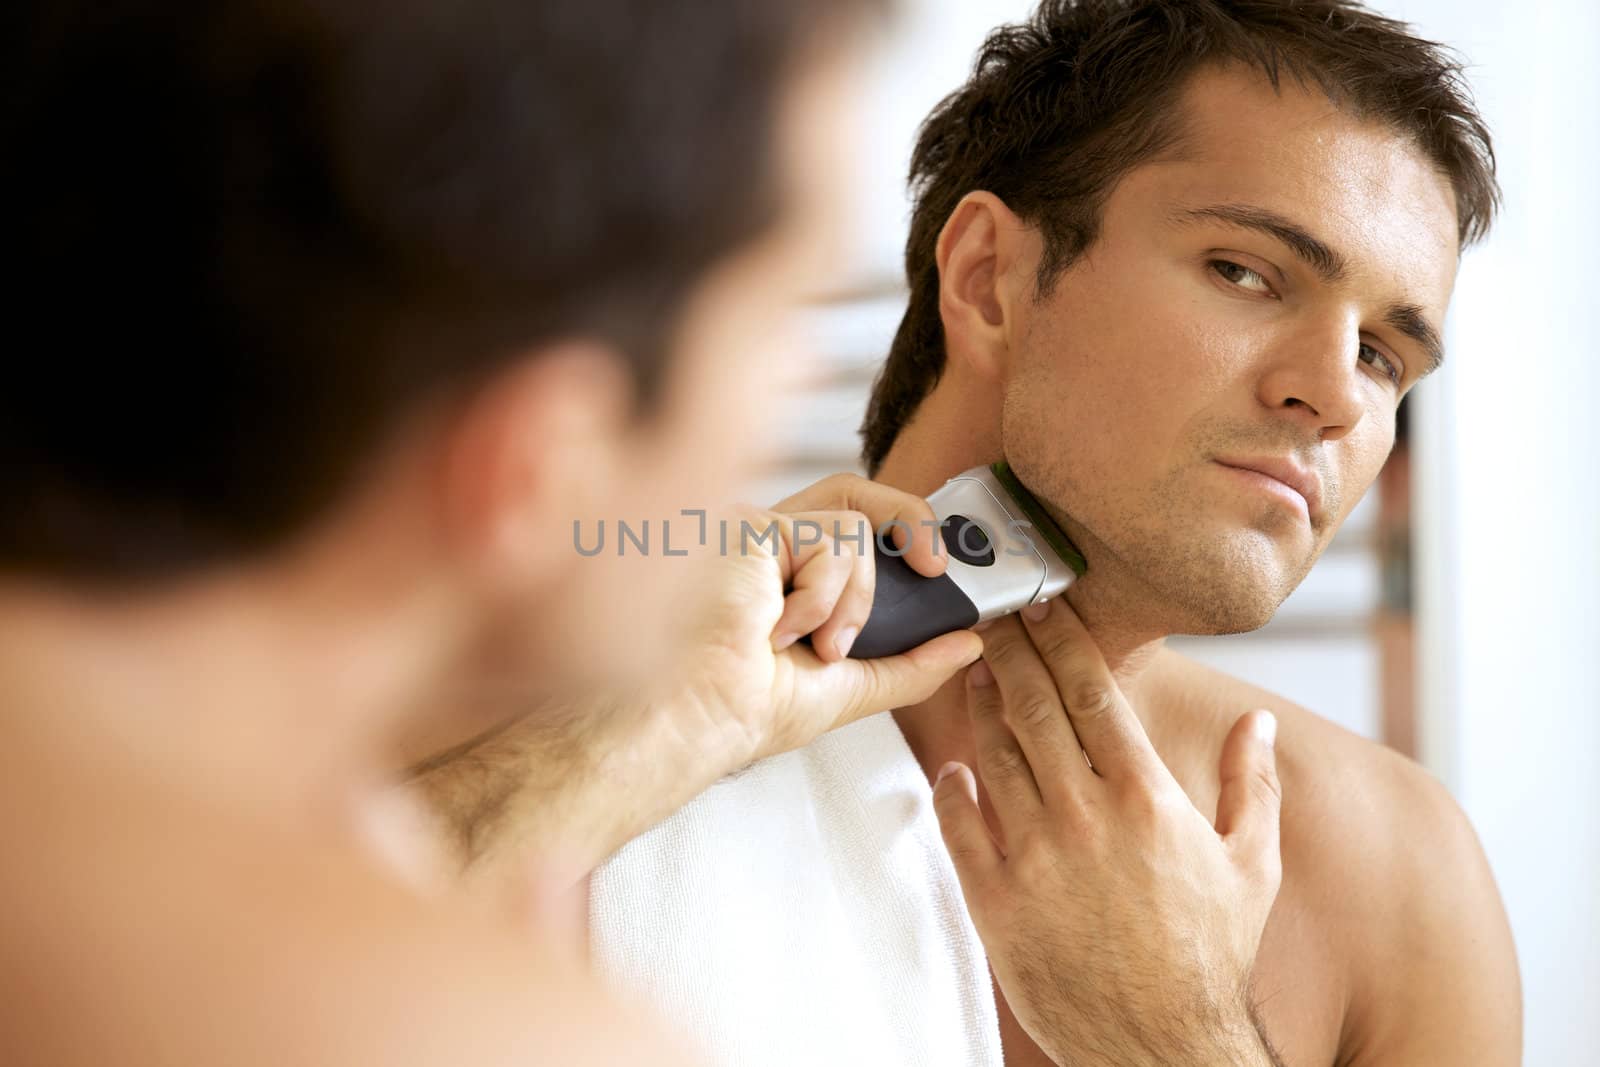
(1509, 491)
(929, 54)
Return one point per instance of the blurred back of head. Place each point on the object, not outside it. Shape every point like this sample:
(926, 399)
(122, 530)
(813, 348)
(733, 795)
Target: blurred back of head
(251, 239)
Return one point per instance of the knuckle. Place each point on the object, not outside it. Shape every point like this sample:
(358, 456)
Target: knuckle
(830, 557)
(1091, 701)
(1002, 762)
(1134, 793)
(856, 530)
(917, 512)
(865, 561)
(856, 582)
(1147, 804)
(846, 480)
(837, 486)
(807, 609)
(1002, 650)
(856, 607)
(1265, 787)
(833, 560)
(1084, 820)
(1055, 644)
(1034, 710)
(864, 688)
(1035, 864)
(880, 686)
(1269, 870)
(743, 512)
(1260, 868)
(984, 704)
(963, 852)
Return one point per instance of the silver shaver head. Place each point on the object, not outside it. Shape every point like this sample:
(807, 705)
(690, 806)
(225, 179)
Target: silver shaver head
(1005, 553)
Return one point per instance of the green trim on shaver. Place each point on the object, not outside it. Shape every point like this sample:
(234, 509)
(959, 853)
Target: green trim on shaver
(1040, 518)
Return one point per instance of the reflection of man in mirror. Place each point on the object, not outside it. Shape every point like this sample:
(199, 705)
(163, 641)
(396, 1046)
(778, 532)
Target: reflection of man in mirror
(1180, 263)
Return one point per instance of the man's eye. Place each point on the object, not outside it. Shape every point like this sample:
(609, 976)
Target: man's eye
(1242, 276)
(1390, 371)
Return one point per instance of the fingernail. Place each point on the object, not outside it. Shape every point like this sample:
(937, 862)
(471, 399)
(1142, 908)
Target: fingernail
(1036, 612)
(980, 675)
(1267, 729)
(784, 640)
(944, 772)
(844, 639)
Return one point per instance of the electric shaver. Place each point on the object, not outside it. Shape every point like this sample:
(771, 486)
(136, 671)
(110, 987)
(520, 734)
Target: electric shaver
(1005, 553)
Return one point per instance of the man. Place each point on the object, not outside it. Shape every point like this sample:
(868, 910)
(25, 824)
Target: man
(328, 320)
(1179, 262)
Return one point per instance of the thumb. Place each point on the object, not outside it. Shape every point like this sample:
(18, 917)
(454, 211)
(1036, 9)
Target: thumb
(909, 678)
(1249, 801)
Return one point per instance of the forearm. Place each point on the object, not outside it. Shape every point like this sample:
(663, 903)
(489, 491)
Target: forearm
(572, 785)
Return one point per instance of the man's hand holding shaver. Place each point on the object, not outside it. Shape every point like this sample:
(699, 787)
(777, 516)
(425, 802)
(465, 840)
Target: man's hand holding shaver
(1121, 925)
(578, 782)
(818, 584)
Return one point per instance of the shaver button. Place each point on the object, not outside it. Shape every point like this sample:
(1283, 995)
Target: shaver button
(966, 541)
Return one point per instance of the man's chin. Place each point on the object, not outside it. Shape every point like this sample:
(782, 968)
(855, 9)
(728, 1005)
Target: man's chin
(1208, 577)
(1213, 609)
(1221, 624)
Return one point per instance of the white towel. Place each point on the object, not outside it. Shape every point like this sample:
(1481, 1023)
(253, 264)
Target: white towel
(804, 912)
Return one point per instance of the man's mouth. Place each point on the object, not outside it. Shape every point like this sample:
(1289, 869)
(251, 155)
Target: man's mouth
(1294, 484)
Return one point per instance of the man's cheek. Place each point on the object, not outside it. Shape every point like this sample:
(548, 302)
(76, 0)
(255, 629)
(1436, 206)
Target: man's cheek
(1363, 471)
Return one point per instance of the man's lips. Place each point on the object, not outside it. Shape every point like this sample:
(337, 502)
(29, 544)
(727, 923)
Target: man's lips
(1277, 473)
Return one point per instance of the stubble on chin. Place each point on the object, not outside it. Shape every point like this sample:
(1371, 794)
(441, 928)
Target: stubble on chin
(1156, 564)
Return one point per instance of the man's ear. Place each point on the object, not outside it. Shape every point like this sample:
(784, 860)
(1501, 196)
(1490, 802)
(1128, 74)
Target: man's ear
(540, 445)
(978, 254)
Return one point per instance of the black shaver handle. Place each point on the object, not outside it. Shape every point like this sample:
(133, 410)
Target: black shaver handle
(908, 609)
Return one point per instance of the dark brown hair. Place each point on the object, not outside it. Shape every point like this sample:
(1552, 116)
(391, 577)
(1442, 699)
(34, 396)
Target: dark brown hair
(1060, 107)
(248, 238)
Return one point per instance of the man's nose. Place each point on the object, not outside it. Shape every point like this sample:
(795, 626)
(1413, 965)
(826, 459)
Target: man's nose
(1314, 376)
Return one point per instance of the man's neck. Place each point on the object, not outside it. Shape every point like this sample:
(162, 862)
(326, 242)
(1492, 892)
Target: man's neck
(1129, 643)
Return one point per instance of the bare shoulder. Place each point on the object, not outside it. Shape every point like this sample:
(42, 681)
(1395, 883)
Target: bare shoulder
(142, 926)
(1385, 876)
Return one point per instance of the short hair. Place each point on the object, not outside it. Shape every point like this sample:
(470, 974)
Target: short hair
(1061, 106)
(251, 238)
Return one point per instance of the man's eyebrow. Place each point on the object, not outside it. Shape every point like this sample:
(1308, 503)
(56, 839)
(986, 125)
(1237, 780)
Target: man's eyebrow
(1330, 265)
(1409, 319)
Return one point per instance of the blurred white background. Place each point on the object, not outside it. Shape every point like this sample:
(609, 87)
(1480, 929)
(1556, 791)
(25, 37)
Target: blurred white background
(1504, 486)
